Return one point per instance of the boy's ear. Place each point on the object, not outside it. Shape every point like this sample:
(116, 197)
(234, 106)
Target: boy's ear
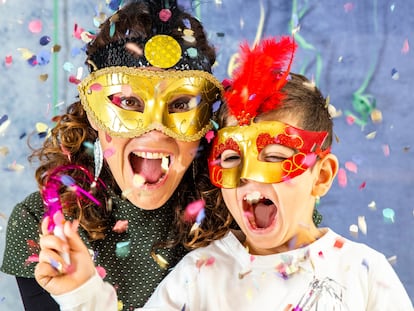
(327, 168)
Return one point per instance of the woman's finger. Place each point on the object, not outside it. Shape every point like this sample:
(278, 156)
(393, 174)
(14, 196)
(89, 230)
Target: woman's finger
(52, 242)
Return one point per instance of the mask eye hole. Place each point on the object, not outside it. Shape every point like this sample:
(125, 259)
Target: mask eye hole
(229, 159)
(275, 153)
(131, 103)
(183, 104)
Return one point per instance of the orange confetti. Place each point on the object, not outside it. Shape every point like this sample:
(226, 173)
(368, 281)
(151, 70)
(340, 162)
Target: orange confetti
(339, 242)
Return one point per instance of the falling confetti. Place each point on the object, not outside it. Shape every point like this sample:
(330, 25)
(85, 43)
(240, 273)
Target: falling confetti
(406, 47)
(35, 26)
(362, 224)
(342, 178)
(351, 166)
(388, 214)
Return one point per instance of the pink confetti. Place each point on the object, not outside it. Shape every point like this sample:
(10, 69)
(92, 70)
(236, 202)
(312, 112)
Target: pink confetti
(209, 136)
(108, 152)
(77, 31)
(342, 178)
(350, 120)
(351, 166)
(96, 87)
(320, 254)
(121, 226)
(193, 209)
(73, 79)
(362, 186)
(348, 7)
(101, 271)
(210, 261)
(386, 150)
(35, 26)
(8, 60)
(406, 47)
(108, 138)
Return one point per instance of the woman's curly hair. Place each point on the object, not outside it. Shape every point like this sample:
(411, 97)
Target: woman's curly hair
(70, 139)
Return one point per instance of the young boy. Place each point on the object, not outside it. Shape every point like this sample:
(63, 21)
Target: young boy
(272, 161)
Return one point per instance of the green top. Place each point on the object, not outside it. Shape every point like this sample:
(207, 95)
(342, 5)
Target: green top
(125, 256)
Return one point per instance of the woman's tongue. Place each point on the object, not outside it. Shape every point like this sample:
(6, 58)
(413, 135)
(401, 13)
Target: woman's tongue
(150, 169)
(264, 214)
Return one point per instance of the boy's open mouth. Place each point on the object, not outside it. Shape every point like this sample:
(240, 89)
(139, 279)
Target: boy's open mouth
(259, 210)
(152, 166)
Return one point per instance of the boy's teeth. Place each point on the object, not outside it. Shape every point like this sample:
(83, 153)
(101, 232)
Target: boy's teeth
(253, 198)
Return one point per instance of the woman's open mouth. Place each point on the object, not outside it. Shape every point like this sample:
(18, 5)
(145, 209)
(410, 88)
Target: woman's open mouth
(152, 167)
(259, 211)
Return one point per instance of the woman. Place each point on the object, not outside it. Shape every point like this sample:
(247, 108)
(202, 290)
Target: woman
(146, 107)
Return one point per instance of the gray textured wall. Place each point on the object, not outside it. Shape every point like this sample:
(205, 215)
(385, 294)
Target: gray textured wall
(350, 45)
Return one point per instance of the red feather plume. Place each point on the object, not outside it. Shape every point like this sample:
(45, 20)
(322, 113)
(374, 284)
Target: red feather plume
(261, 74)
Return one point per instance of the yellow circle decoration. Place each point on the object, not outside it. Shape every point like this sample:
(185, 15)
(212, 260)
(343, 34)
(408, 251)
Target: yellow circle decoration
(162, 51)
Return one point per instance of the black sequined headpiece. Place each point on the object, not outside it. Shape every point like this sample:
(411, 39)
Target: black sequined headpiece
(159, 50)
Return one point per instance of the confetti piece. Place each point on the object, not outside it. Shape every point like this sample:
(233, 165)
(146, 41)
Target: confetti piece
(25, 53)
(339, 242)
(406, 47)
(365, 263)
(67, 66)
(15, 167)
(43, 77)
(388, 214)
(362, 224)
(123, 249)
(351, 166)
(353, 230)
(161, 261)
(376, 116)
(193, 209)
(44, 40)
(4, 150)
(362, 185)
(371, 135)
(74, 80)
(392, 260)
(96, 87)
(386, 150)
(121, 226)
(101, 271)
(372, 205)
(394, 74)
(41, 127)
(109, 152)
(342, 178)
(35, 26)
(8, 60)
(348, 7)
(209, 136)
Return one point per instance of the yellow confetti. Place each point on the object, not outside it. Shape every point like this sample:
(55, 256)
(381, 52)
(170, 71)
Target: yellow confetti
(41, 127)
(4, 150)
(371, 135)
(26, 53)
(362, 224)
(43, 77)
(161, 261)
